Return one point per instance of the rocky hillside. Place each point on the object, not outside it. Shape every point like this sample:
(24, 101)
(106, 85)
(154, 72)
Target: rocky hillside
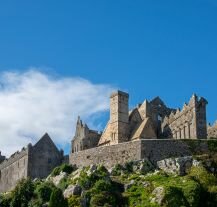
(174, 182)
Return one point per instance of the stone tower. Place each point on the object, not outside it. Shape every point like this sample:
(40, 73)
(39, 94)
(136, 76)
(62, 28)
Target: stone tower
(119, 117)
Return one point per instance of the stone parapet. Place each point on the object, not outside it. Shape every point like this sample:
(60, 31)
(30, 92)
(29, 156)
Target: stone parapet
(153, 149)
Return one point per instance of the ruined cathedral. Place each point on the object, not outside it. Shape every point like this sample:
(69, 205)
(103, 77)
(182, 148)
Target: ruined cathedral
(150, 130)
(149, 120)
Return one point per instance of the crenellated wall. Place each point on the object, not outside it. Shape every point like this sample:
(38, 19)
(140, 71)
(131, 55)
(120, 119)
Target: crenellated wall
(14, 168)
(190, 122)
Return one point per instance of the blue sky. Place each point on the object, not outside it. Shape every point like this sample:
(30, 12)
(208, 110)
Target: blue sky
(147, 48)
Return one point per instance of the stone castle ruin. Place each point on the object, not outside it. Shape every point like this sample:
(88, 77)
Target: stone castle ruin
(149, 120)
(33, 161)
(150, 130)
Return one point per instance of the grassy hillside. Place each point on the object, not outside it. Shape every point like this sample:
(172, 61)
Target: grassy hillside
(136, 184)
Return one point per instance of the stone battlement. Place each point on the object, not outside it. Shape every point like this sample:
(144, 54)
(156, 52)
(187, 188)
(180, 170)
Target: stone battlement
(15, 157)
(185, 109)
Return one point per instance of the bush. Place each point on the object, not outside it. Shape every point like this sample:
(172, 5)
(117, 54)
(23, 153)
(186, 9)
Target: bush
(87, 182)
(102, 185)
(102, 199)
(5, 200)
(128, 167)
(57, 199)
(64, 183)
(74, 201)
(22, 193)
(44, 191)
(63, 168)
(192, 191)
(201, 175)
(137, 195)
(35, 203)
(116, 171)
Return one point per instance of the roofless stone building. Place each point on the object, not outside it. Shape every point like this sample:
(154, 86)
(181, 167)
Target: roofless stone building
(151, 130)
(33, 161)
(149, 120)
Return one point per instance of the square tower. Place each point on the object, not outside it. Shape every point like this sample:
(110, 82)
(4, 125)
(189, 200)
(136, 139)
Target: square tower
(119, 117)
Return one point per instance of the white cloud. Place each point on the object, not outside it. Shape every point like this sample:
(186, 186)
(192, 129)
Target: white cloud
(32, 103)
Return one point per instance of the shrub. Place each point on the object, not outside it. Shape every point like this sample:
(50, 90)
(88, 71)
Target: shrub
(212, 144)
(128, 167)
(87, 182)
(64, 183)
(35, 203)
(116, 171)
(62, 168)
(74, 201)
(5, 200)
(137, 195)
(102, 199)
(174, 197)
(201, 175)
(57, 199)
(192, 191)
(102, 185)
(44, 191)
(22, 193)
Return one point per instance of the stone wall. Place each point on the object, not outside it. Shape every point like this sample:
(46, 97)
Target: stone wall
(212, 130)
(13, 169)
(153, 149)
(34, 161)
(44, 158)
(107, 155)
(84, 138)
(190, 122)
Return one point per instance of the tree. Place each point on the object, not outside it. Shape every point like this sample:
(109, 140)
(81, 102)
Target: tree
(57, 199)
(22, 193)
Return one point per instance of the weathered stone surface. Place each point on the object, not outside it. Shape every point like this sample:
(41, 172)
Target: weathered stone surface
(56, 180)
(212, 130)
(178, 166)
(153, 150)
(158, 194)
(84, 138)
(72, 190)
(33, 161)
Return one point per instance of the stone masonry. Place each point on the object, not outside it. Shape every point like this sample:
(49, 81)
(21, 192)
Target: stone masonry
(212, 130)
(84, 138)
(153, 149)
(149, 120)
(150, 130)
(33, 161)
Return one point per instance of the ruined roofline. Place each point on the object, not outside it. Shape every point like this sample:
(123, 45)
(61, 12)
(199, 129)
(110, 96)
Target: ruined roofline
(115, 93)
(186, 107)
(15, 156)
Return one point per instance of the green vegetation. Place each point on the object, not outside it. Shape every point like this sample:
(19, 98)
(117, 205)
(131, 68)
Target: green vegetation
(63, 168)
(212, 144)
(125, 186)
(57, 199)
(22, 193)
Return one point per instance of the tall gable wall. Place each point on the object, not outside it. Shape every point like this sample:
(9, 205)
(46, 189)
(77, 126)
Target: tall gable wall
(44, 158)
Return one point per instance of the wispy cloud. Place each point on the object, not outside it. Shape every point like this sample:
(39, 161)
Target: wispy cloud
(32, 103)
